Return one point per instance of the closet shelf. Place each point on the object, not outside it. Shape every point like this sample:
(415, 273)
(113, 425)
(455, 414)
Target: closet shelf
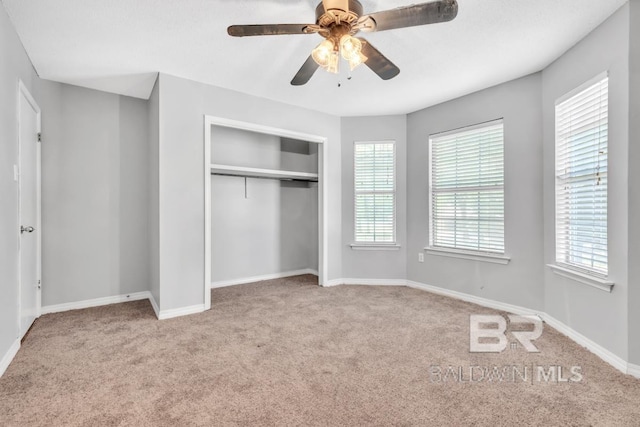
(262, 173)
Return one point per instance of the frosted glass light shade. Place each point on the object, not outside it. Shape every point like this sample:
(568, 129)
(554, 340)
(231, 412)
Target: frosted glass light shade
(357, 60)
(323, 53)
(350, 47)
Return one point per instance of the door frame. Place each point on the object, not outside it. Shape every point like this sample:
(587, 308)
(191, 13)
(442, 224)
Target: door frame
(23, 91)
(323, 211)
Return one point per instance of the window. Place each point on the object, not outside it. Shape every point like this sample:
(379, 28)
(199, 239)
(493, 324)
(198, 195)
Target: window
(467, 189)
(375, 192)
(581, 178)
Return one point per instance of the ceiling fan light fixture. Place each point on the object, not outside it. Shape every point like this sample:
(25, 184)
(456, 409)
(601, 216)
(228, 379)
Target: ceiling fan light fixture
(323, 53)
(334, 63)
(339, 20)
(326, 56)
(350, 47)
(357, 60)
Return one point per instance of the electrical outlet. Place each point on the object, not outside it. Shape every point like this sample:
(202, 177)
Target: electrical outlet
(420, 257)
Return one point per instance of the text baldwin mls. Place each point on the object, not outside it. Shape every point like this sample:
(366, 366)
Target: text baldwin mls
(554, 374)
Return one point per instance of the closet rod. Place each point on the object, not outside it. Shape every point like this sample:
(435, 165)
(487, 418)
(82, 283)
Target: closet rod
(262, 177)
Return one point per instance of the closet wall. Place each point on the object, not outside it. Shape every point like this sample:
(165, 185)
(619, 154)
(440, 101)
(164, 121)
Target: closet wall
(95, 198)
(262, 226)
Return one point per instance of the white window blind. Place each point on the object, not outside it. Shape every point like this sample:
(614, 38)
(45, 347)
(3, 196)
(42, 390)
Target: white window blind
(375, 192)
(467, 189)
(581, 179)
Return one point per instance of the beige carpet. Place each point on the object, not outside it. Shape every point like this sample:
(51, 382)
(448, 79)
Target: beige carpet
(288, 352)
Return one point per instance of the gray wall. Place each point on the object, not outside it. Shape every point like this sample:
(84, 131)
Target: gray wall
(153, 210)
(271, 231)
(598, 315)
(14, 65)
(133, 197)
(519, 282)
(183, 104)
(95, 198)
(378, 264)
(634, 186)
(275, 228)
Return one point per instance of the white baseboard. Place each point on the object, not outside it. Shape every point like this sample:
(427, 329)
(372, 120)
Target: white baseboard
(604, 354)
(244, 280)
(331, 283)
(484, 302)
(364, 282)
(8, 357)
(178, 312)
(160, 314)
(97, 302)
(374, 282)
(154, 305)
(633, 370)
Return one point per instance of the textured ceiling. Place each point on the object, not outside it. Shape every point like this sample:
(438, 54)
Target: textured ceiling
(119, 45)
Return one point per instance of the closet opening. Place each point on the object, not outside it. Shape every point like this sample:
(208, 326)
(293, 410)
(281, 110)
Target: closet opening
(264, 204)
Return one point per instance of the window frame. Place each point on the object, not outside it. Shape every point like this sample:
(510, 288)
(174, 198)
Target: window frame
(466, 253)
(372, 245)
(580, 273)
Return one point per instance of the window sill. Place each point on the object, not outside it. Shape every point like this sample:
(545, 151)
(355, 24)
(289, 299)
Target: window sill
(587, 279)
(475, 256)
(375, 247)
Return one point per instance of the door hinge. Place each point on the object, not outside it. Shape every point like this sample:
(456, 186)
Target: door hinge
(39, 137)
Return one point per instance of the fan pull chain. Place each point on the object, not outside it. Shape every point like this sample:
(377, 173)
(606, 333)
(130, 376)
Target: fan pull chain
(349, 77)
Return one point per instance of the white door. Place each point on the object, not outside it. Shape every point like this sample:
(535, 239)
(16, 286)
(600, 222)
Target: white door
(29, 190)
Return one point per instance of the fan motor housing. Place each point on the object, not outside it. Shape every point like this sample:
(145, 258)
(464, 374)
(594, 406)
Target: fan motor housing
(338, 12)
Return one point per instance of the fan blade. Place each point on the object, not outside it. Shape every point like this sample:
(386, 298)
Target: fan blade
(411, 16)
(378, 63)
(306, 72)
(267, 30)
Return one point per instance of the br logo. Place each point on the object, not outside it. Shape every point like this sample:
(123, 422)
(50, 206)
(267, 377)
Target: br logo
(488, 333)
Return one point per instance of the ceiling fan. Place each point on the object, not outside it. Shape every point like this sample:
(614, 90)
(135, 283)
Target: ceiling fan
(338, 21)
